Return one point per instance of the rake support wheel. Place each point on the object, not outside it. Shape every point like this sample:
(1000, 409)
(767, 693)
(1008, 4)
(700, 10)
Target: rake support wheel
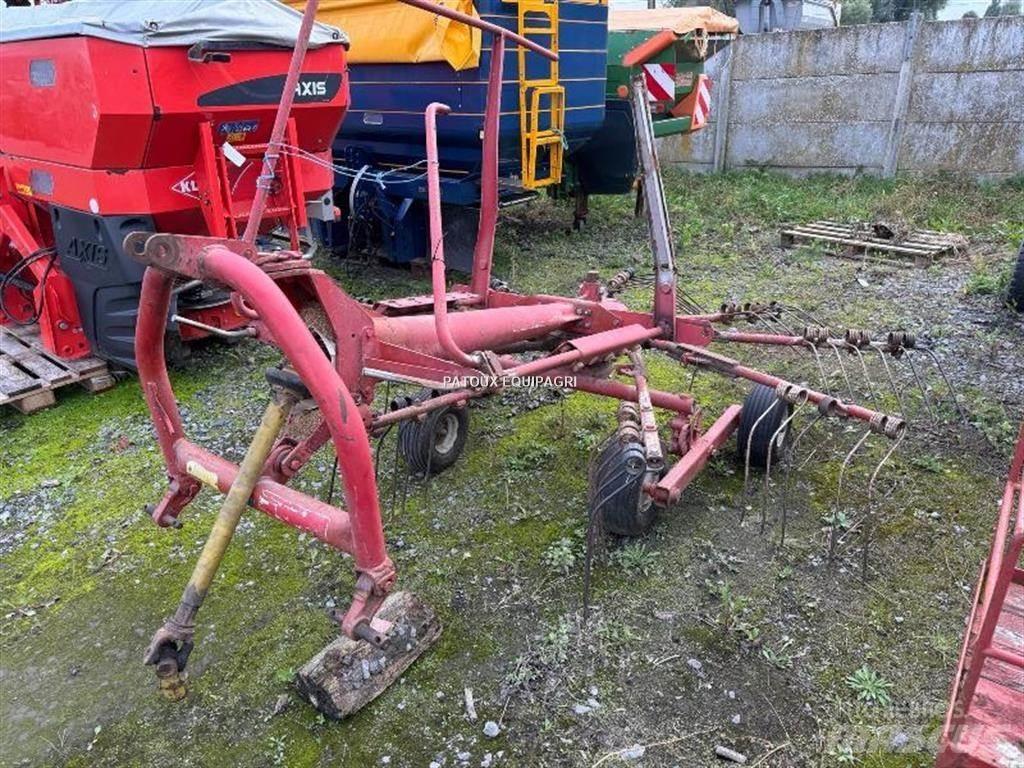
(432, 445)
(617, 490)
(1015, 293)
(758, 432)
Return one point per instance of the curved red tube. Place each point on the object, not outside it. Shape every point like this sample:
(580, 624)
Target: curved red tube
(437, 268)
(294, 339)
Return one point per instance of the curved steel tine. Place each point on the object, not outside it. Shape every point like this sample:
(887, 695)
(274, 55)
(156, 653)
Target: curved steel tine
(839, 493)
(785, 326)
(784, 500)
(594, 530)
(920, 385)
(334, 477)
(869, 521)
(867, 376)
(380, 440)
(394, 477)
(697, 308)
(942, 372)
(842, 367)
(821, 369)
(768, 466)
(892, 381)
(803, 314)
(430, 457)
(376, 452)
(746, 461)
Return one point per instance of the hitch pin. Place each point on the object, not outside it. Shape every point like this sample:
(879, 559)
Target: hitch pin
(237, 334)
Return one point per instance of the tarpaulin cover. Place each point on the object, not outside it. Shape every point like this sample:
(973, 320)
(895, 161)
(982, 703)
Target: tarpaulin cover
(679, 20)
(388, 32)
(149, 23)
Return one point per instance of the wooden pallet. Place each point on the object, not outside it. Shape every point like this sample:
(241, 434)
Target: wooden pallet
(922, 245)
(29, 374)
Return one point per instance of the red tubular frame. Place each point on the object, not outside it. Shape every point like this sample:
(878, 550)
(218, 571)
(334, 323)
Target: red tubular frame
(259, 203)
(437, 268)
(581, 337)
(281, 324)
(483, 251)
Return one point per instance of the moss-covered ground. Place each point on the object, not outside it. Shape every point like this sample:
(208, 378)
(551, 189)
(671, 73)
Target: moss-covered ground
(708, 631)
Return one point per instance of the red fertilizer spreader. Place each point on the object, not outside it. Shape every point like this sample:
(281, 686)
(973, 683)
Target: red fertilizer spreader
(154, 119)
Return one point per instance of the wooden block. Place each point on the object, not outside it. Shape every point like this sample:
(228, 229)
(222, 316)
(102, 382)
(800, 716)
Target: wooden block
(98, 383)
(349, 674)
(35, 401)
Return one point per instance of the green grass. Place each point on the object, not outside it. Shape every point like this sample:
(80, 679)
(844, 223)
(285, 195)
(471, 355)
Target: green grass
(495, 544)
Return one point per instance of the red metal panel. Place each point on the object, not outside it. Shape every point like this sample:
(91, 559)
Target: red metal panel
(77, 100)
(179, 83)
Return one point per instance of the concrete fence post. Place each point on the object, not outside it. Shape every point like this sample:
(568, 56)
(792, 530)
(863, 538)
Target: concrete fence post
(724, 91)
(894, 140)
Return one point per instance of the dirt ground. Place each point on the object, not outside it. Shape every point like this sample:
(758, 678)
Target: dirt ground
(711, 631)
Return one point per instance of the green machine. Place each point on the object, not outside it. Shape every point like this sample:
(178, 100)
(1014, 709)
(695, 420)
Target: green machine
(669, 46)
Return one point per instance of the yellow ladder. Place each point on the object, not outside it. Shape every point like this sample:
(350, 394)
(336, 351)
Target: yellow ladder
(541, 99)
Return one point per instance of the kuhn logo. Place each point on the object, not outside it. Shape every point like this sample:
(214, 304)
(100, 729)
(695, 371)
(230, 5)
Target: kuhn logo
(311, 88)
(187, 187)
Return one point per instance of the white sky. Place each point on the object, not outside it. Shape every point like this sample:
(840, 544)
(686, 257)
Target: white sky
(954, 8)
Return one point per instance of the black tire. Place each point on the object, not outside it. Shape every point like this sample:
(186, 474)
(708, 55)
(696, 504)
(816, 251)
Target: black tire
(617, 493)
(1015, 294)
(432, 445)
(760, 400)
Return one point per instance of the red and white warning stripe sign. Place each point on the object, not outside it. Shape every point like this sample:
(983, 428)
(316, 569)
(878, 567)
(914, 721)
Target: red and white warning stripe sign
(661, 81)
(702, 104)
(696, 104)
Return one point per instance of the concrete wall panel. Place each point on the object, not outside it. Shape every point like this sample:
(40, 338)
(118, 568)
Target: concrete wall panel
(971, 45)
(827, 100)
(818, 145)
(973, 148)
(831, 98)
(865, 49)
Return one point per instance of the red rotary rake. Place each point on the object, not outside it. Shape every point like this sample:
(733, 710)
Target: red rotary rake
(339, 350)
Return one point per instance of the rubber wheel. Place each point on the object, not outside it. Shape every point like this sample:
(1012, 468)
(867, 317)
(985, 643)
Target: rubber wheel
(432, 445)
(617, 490)
(760, 400)
(1015, 295)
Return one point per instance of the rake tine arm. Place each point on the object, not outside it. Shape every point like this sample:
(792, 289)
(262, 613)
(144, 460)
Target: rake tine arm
(691, 355)
(892, 381)
(842, 369)
(746, 458)
(867, 376)
(923, 387)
